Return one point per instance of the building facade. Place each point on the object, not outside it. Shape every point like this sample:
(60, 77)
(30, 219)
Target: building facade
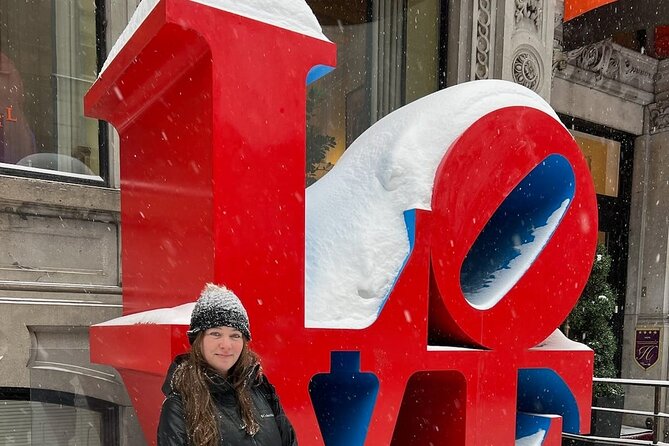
(59, 173)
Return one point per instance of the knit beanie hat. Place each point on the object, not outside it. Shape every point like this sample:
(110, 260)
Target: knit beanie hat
(217, 306)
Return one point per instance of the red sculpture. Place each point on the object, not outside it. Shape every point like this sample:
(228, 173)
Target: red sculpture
(210, 109)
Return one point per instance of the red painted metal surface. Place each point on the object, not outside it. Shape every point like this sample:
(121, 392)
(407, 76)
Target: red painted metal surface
(210, 108)
(503, 148)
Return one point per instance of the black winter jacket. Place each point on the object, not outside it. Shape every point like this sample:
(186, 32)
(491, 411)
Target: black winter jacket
(275, 429)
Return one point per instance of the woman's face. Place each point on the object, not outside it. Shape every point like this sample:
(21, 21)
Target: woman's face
(221, 347)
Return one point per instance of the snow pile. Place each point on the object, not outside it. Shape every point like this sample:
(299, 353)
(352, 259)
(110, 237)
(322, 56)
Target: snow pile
(179, 315)
(356, 235)
(558, 341)
(532, 440)
(293, 15)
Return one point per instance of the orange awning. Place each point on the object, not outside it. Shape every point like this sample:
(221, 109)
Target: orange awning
(574, 8)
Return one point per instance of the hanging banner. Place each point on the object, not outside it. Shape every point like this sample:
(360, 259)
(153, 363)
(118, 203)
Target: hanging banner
(574, 8)
(647, 346)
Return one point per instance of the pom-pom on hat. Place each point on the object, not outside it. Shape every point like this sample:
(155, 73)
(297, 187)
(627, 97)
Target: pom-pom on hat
(217, 306)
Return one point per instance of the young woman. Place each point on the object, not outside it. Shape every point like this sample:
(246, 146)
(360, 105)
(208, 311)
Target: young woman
(217, 394)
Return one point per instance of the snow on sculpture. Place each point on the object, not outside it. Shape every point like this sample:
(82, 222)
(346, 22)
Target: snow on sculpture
(294, 15)
(441, 253)
(356, 234)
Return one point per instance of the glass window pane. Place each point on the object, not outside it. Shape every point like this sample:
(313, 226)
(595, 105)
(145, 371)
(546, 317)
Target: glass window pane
(422, 52)
(338, 104)
(603, 157)
(47, 62)
(33, 423)
(387, 55)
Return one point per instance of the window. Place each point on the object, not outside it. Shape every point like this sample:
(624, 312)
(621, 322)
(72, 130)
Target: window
(603, 158)
(48, 59)
(389, 53)
(610, 155)
(42, 417)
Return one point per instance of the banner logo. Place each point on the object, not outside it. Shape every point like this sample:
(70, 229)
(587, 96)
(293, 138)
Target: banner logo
(647, 347)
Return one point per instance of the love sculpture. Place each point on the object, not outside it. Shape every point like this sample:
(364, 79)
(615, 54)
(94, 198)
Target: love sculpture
(210, 109)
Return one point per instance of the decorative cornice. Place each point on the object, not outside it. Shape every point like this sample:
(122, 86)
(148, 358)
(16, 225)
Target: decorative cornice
(483, 39)
(607, 60)
(526, 69)
(662, 80)
(529, 11)
(659, 117)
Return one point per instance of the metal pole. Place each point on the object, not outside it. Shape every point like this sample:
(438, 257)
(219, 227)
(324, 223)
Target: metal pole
(656, 410)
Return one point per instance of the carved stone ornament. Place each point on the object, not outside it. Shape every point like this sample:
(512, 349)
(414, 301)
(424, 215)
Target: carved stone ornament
(526, 70)
(607, 61)
(483, 43)
(558, 17)
(559, 57)
(530, 11)
(659, 117)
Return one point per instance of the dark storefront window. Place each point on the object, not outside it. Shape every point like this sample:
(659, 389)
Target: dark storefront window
(48, 60)
(609, 154)
(48, 418)
(388, 54)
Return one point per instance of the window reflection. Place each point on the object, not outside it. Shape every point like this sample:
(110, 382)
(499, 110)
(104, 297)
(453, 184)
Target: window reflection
(387, 55)
(603, 158)
(48, 61)
(16, 137)
(39, 423)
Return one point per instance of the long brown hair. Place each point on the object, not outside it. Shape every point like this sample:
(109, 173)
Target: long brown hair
(191, 380)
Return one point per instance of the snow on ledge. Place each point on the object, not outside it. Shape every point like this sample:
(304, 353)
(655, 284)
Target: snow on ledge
(179, 315)
(293, 15)
(558, 341)
(535, 439)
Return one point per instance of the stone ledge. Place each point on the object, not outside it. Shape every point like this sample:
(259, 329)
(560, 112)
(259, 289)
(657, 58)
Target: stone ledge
(610, 68)
(36, 196)
(610, 87)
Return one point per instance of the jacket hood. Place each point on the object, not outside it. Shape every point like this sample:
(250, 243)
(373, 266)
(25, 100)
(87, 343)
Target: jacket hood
(167, 385)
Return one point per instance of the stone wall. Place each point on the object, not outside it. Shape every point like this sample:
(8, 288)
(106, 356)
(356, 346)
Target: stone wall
(59, 274)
